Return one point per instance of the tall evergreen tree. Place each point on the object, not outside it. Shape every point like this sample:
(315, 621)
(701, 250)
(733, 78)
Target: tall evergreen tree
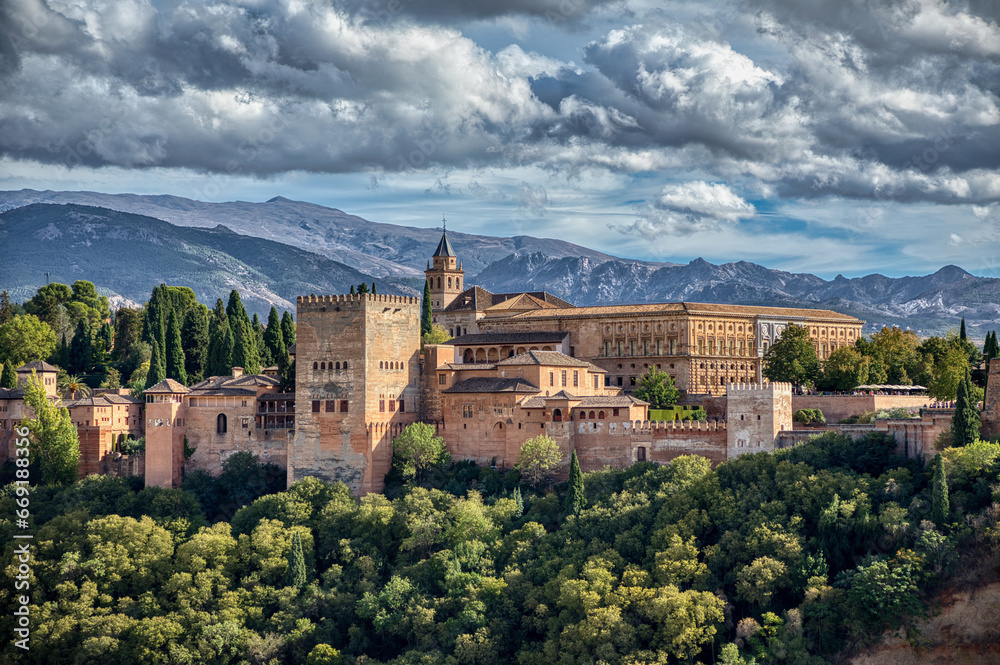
(258, 337)
(8, 379)
(157, 368)
(940, 506)
(363, 287)
(245, 353)
(6, 309)
(961, 331)
(426, 311)
(990, 351)
(175, 351)
(81, 349)
(196, 340)
(220, 351)
(63, 353)
(576, 497)
(295, 574)
(288, 329)
(352, 289)
(274, 340)
(128, 331)
(965, 423)
(374, 292)
(155, 323)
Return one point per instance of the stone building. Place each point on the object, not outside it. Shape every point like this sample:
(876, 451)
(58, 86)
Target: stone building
(357, 385)
(102, 422)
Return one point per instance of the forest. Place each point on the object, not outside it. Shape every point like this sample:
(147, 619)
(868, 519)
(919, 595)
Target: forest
(787, 557)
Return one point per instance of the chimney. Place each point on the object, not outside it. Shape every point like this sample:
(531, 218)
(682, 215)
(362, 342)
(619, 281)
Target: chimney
(237, 372)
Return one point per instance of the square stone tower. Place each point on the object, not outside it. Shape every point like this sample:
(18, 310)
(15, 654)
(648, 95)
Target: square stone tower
(357, 370)
(755, 414)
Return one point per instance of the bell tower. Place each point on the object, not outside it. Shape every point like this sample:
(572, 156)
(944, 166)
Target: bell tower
(445, 275)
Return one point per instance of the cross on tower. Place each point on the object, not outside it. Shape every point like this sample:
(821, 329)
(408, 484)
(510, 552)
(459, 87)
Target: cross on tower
(444, 224)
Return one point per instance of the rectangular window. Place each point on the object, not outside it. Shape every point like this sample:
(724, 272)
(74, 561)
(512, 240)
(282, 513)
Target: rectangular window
(607, 348)
(381, 406)
(659, 347)
(466, 410)
(631, 348)
(563, 376)
(645, 347)
(330, 406)
(246, 423)
(576, 378)
(701, 347)
(552, 378)
(442, 379)
(621, 348)
(595, 382)
(640, 454)
(673, 346)
(615, 413)
(343, 406)
(631, 380)
(402, 406)
(620, 379)
(315, 406)
(392, 405)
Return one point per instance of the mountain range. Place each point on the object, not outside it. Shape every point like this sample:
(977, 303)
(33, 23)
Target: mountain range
(278, 249)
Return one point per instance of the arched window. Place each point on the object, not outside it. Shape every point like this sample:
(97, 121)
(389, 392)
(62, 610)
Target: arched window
(468, 357)
(338, 365)
(345, 364)
(380, 365)
(583, 415)
(449, 282)
(458, 282)
(591, 415)
(322, 365)
(220, 424)
(557, 415)
(600, 415)
(439, 282)
(315, 365)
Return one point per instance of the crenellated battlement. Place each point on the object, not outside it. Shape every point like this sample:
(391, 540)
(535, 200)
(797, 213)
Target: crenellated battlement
(352, 300)
(751, 389)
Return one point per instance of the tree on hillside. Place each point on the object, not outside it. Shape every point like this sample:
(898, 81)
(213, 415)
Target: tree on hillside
(363, 288)
(47, 303)
(128, 331)
(426, 312)
(295, 574)
(576, 497)
(418, 448)
(965, 423)
(195, 340)
(157, 367)
(274, 339)
(54, 436)
(245, 353)
(844, 369)
(25, 338)
(81, 348)
(8, 378)
(961, 331)
(948, 372)
(258, 338)
(220, 345)
(538, 457)
(792, 358)
(6, 309)
(658, 389)
(288, 328)
(175, 362)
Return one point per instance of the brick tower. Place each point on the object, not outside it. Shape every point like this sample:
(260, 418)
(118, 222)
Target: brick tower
(356, 386)
(755, 414)
(445, 275)
(165, 412)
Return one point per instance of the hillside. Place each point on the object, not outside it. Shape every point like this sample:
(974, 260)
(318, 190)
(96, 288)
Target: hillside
(129, 254)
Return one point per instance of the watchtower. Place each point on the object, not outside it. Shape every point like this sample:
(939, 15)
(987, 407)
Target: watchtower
(755, 414)
(445, 275)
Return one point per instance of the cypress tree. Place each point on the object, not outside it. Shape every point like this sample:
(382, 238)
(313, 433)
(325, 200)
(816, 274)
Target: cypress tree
(426, 312)
(8, 379)
(258, 339)
(576, 498)
(244, 346)
(352, 289)
(155, 324)
(157, 368)
(940, 507)
(295, 574)
(175, 351)
(374, 292)
(961, 331)
(274, 339)
(965, 423)
(63, 352)
(288, 329)
(196, 340)
(219, 357)
(81, 349)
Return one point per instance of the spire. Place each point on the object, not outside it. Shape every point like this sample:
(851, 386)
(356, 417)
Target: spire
(444, 247)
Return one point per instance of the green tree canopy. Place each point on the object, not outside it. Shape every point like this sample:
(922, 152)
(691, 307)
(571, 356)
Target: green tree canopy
(54, 439)
(175, 362)
(844, 369)
(417, 448)
(288, 328)
(426, 311)
(576, 496)
(195, 341)
(792, 358)
(81, 348)
(658, 389)
(8, 379)
(965, 423)
(538, 458)
(25, 338)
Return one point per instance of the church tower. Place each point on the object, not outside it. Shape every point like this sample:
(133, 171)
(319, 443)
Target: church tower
(445, 275)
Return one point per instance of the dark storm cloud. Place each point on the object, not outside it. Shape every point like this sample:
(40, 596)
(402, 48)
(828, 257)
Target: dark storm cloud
(867, 98)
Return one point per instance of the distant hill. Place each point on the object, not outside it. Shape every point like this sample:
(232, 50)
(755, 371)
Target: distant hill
(930, 304)
(127, 255)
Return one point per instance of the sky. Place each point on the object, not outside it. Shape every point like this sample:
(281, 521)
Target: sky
(844, 137)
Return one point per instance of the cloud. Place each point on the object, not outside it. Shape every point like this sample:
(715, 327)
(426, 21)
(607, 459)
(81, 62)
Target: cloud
(690, 207)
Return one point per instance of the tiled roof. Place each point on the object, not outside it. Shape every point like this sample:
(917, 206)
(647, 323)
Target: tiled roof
(464, 366)
(245, 381)
(277, 396)
(38, 366)
(689, 308)
(11, 393)
(291, 349)
(167, 386)
(444, 247)
(562, 394)
(543, 358)
(105, 400)
(225, 392)
(523, 301)
(614, 401)
(488, 384)
(479, 299)
(533, 337)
